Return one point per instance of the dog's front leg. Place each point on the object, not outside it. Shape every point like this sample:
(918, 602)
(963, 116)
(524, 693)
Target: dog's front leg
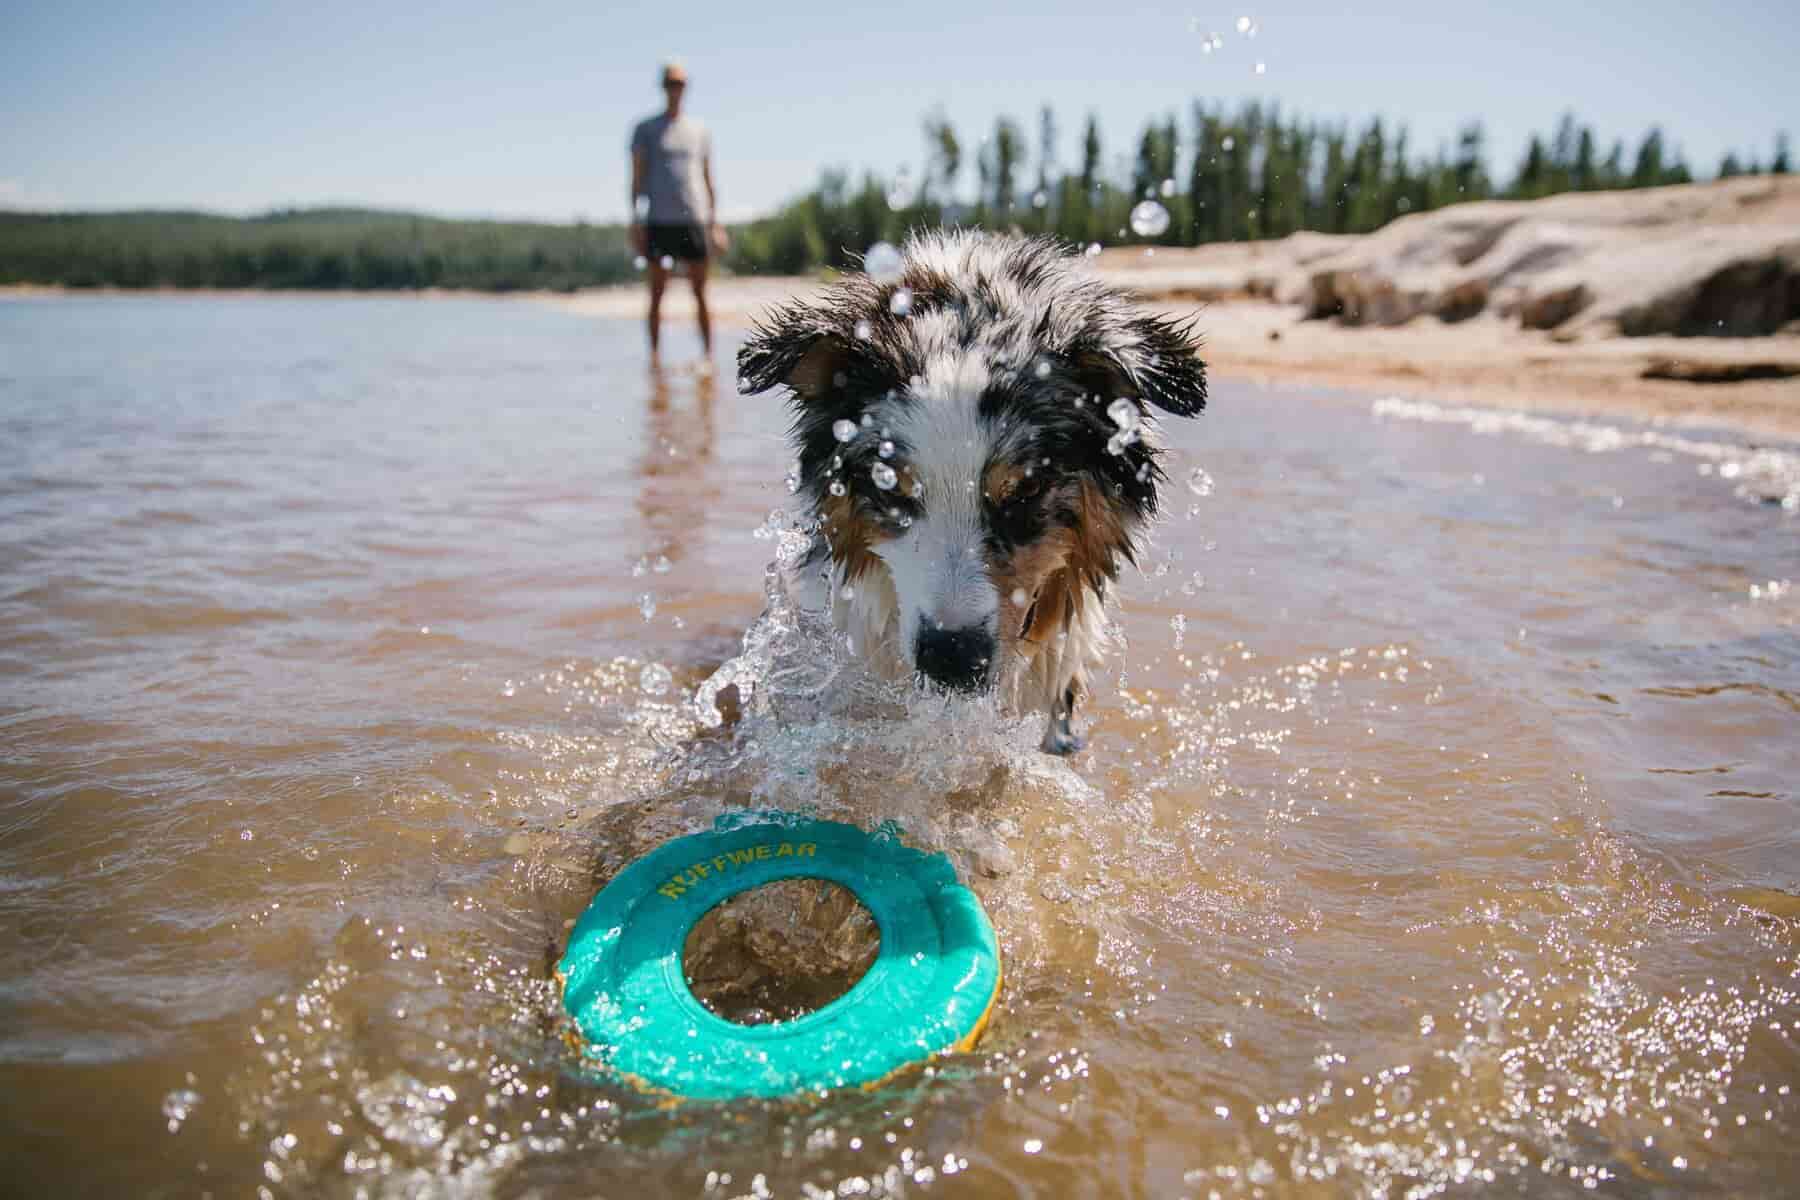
(1059, 735)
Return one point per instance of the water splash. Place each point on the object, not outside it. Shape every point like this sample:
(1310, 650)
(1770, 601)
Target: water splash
(655, 680)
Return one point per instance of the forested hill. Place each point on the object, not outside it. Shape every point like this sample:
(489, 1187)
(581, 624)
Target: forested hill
(325, 248)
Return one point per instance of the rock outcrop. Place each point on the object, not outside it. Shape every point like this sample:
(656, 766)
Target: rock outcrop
(1717, 258)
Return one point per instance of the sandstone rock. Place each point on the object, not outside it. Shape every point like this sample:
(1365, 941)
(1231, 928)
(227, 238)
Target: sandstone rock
(1719, 258)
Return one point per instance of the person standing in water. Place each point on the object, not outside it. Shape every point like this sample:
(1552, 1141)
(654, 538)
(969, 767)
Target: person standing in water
(675, 213)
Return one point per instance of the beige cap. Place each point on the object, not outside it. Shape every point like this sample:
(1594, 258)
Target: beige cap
(673, 72)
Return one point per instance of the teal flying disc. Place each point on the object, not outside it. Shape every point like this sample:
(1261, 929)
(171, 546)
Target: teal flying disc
(933, 983)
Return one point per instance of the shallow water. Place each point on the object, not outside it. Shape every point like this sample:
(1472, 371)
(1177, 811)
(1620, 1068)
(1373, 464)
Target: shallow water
(1437, 834)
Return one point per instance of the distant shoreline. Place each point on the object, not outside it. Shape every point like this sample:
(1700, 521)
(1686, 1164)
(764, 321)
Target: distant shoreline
(1483, 362)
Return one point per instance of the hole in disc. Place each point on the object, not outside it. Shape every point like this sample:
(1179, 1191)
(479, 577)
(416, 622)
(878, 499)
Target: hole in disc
(779, 951)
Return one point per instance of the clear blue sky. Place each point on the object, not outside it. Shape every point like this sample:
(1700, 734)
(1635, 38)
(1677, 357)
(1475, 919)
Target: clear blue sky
(524, 109)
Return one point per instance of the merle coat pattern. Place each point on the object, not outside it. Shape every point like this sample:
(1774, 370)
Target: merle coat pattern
(999, 469)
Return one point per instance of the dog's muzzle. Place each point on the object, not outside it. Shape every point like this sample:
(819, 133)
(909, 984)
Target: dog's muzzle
(961, 660)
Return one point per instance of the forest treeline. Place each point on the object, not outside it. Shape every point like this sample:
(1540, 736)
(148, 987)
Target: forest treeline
(1225, 176)
(328, 249)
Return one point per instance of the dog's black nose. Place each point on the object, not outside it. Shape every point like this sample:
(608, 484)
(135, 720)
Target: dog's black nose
(958, 659)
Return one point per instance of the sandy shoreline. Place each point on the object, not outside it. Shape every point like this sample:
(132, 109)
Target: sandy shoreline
(1486, 361)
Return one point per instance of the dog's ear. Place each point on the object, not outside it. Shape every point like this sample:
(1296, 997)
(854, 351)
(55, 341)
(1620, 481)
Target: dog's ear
(1149, 359)
(796, 346)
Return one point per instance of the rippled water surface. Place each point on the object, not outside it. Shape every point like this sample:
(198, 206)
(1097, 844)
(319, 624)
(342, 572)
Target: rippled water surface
(1437, 833)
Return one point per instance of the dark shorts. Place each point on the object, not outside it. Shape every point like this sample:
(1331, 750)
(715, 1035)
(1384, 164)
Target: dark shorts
(683, 243)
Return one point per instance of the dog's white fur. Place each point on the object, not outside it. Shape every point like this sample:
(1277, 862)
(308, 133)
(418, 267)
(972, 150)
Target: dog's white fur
(1000, 311)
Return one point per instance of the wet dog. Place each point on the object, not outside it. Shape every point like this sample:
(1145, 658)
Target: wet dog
(973, 435)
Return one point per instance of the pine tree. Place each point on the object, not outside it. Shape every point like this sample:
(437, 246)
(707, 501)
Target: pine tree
(1648, 170)
(1582, 174)
(1009, 146)
(1471, 156)
(1532, 179)
(1202, 173)
(945, 156)
(1046, 166)
(1612, 171)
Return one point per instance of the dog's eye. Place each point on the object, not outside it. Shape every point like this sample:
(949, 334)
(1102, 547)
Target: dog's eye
(1025, 490)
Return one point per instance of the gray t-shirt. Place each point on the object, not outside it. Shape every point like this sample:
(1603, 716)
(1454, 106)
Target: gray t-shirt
(675, 153)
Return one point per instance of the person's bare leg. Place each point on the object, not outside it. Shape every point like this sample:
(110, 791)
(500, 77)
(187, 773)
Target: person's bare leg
(696, 272)
(659, 279)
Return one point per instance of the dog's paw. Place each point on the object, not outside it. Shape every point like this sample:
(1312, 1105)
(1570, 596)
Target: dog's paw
(1060, 739)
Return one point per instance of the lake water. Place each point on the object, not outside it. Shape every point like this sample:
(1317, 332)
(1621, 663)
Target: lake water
(1438, 832)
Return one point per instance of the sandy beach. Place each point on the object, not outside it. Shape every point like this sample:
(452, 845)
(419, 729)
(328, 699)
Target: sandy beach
(1515, 304)
(1480, 362)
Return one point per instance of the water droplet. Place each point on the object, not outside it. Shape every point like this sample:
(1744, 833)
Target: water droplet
(1167, 188)
(178, 1105)
(1042, 370)
(1228, 143)
(884, 476)
(883, 263)
(1033, 1145)
(1261, 68)
(886, 450)
(864, 330)
(900, 193)
(1243, 24)
(792, 480)
(1039, 200)
(647, 605)
(655, 679)
(866, 421)
(837, 487)
(639, 263)
(1093, 250)
(901, 302)
(1124, 413)
(1199, 482)
(662, 565)
(843, 430)
(668, 262)
(1020, 598)
(1149, 219)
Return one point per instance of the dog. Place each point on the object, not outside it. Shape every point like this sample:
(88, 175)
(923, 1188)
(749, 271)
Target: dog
(973, 435)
